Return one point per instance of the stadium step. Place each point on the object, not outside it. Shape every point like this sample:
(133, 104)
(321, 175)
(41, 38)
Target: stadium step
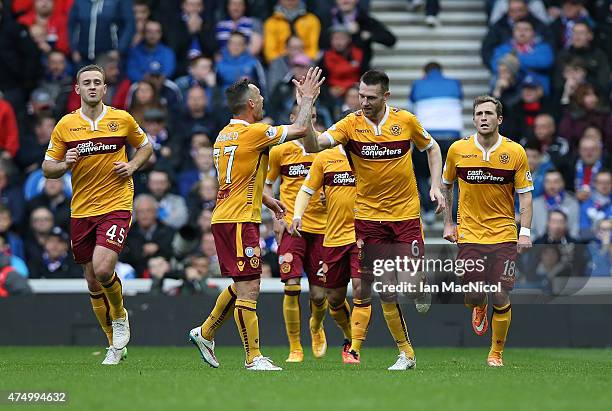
(449, 5)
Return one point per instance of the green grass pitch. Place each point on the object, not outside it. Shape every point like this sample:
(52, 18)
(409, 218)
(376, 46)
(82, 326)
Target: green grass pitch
(174, 378)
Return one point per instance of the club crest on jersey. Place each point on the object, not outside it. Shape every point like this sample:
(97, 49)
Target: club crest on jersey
(285, 267)
(271, 132)
(113, 126)
(254, 262)
(504, 158)
(396, 130)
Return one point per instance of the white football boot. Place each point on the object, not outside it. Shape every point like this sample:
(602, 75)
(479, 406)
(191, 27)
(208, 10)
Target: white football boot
(114, 356)
(262, 363)
(403, 363)
(206, 348)
(121, 332)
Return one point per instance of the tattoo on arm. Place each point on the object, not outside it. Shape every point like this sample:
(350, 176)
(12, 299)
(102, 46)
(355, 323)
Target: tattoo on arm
(304, 114)
(448, 197)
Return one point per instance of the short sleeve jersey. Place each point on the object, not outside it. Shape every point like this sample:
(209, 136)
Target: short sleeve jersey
(291, 162)
(380, 156)
(241, 157)
(332, 171)
(96, 188)
(487, 183)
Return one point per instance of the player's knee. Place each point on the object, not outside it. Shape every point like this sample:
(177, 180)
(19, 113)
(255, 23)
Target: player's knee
(93, 285)
(388, 297)
(335, 297)
(501, 298)
(103, 274)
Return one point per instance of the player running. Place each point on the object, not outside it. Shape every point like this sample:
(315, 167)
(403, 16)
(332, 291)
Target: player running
(490, 168)
(91, 143)
(377, 140)
(291, 163)
(241, 158)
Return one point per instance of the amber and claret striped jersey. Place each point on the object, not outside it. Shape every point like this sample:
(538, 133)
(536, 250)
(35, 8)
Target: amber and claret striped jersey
(332, 172)
(241, 158)
(381, 158)
(96, 188)
(487, 183)
(291, 162)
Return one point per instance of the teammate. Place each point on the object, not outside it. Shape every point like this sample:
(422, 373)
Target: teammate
(332, 172)
(490, 168)
(241, 158)
(91, 143)
(291, 162)
(377, 140)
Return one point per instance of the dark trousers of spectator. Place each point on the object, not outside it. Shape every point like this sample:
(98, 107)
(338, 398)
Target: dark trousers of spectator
(432, 7)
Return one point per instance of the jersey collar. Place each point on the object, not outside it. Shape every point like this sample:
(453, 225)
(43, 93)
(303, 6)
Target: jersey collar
(378, 127)
(238, 121)
(341, 149)
(486, 155)
(297, 143)
(94, 124)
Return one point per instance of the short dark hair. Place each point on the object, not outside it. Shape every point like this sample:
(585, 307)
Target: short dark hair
(524, 20)
(374, 77)
(432, 65)
(559, 211)
(488, 99)
(533, 144)
(91, 67)
(237, 95)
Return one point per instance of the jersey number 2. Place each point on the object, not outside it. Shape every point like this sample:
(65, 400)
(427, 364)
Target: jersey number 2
(228, 150)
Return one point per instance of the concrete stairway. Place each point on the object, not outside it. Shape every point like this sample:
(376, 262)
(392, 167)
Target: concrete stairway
(455, 45)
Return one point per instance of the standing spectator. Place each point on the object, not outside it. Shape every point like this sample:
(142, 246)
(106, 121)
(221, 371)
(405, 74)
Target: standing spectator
(150, 50)
(202, 73)
(41, 224)
(171, 208)
(555, 197)
(10, 196)
(519, 118)
(599, 204)
(432, 9)
(54, 24)
(53, 198)
(9, 133)
(13, 239)
(582, 46)
(586, 109)
(100, 26)
(536, 57)
(364, 28)
(148, 237)
(600, 249)
(589, 163)
(142, 13)
(290, 16)
(189, 33)
(145, 97)
(501, 31)
(572, 74)
(537, 8)
(238, 20)
(55, 261)
(203, 160)
(342, 63)
(572, 12)
(280, 66)
(236, 63)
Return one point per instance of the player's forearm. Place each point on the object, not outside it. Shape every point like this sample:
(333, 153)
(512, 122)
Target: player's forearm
(525, 209)
(54, 169)
(268, 190)
(301, 203)
(142, 155)
(434, 158)
(447, 192)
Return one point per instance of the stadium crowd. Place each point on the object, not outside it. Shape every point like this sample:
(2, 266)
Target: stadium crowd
(168, 63)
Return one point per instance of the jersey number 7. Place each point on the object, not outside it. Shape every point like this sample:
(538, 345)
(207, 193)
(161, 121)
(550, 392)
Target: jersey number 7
(227, 151)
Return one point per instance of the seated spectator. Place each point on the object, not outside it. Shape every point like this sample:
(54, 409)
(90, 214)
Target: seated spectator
(58, 83)
(550, 265)
(572, 12)
(536, 57)
(204, 221)
(238, 20)
(35, 184)
(150, 50)
(556, 147)
(342, 63)
(166, 145)
(506, 83)
(586, 109)
(197, 272)
(7, 259)
(53, 198)
(203, 196)
(351, 102)
(189, 33)
(600, 249)
(207, 247)
(10, 195)
(202, 73)
(589, 162)
(9, 132)
(582, 46)
(171, 208)
(282, 98)
(520, 117)
(555, 198)
(13, 240)
(290, 17)
(236, 63)
(142, 13)
(539, 164)
(537, 8)
(573, 74)
(53, 24)
(56, 261)
(203, 160)
(148, 237)
(199, 138)
(41, 224)
(280, 66)
(41, 103)
(113, 29)
(117, 83)
(364, 29)
(145, 97)
(599, 204)
(501, 32)
(38, 34)
(195, 115)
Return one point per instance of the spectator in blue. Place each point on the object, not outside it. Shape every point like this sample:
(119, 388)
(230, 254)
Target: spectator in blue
(10, 196)
(202, 73)
(555, 198)
(100, 26)
(601, 250)
(536, 57)
(572, 12)
(203, 161)
(539, 164)
(236, 63)
(599, 205)
(150, 50)
(195, 115)
(14, 241)
(238, 19)
(8, 258)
